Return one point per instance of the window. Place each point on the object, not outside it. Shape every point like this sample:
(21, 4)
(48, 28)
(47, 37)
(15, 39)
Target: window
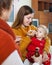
(35, 22)
(50, 27)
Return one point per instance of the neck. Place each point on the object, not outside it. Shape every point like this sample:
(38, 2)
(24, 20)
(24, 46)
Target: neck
(2, 18)
(23, 25)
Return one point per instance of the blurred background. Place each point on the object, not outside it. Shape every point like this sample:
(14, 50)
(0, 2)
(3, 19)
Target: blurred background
(43, 12)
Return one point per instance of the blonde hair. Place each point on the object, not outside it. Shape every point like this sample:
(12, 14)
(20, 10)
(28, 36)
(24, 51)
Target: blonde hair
(45, 29)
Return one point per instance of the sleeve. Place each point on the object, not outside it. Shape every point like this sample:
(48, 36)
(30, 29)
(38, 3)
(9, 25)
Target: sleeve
(47, 45)
(6, 45)
(24, 43)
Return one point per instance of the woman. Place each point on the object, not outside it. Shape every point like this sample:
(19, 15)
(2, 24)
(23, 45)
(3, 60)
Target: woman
(23, 29)
(8, 52)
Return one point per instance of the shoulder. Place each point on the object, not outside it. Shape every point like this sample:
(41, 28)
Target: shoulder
(17, 31)
(14, 30)
(5, 36)
(3, 32)
(6, 39)
(47, 39)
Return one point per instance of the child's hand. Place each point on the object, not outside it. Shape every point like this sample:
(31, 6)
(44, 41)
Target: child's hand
(31, 33)
(45, 57)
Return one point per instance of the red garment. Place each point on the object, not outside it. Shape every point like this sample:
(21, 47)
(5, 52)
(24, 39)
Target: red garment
(7, 43)
(32, 46)
(31, 49)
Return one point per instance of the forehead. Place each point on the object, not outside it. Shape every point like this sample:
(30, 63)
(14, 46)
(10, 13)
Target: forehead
(41, 29)
(30, 15)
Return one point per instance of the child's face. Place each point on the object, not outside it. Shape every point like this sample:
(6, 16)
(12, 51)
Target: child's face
(40, 33)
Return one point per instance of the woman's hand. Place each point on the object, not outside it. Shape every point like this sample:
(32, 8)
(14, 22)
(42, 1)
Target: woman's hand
(18, 38)
(31, 33)
(45, 57)
(37, 59)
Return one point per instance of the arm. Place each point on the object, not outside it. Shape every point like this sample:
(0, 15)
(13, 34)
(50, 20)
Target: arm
(8, 53)
(47, 45)
(24, 43)
(7, 45)
(46, 55)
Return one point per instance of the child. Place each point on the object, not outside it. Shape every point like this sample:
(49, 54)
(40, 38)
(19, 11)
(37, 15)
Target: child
(35, 50)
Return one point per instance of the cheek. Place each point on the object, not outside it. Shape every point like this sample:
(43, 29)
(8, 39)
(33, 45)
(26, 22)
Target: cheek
(39, 34)
(8, 14)
(25, 21)
(43, 35)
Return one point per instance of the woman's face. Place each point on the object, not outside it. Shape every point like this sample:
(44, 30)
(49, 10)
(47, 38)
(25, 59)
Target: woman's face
(28, 19)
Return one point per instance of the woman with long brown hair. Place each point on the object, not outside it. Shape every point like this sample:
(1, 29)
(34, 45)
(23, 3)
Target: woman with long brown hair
(22, 25)
(24, 29)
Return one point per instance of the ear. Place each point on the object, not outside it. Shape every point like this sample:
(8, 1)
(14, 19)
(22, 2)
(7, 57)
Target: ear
(3, 14)
(3, 11)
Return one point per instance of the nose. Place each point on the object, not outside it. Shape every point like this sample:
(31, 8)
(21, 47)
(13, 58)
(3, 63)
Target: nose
(30, 20)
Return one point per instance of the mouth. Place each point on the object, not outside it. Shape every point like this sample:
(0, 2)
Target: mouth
(30, 23)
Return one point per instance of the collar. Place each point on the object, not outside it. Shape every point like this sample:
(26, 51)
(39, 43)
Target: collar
(25, 29)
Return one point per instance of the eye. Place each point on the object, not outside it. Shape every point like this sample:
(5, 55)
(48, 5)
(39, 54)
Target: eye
(28, 17)
(40, 31)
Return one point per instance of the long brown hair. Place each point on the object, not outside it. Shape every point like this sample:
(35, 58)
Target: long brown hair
(24, 10)
(4, 4)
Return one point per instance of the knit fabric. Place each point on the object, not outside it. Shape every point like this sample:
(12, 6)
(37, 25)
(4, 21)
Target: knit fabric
(7, 38)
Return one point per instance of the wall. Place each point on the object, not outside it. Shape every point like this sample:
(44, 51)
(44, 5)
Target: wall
(19, 3)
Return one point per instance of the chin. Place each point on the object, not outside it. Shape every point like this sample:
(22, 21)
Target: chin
(26, 25)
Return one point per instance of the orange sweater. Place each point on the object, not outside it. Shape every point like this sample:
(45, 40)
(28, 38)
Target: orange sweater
(25, 39)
